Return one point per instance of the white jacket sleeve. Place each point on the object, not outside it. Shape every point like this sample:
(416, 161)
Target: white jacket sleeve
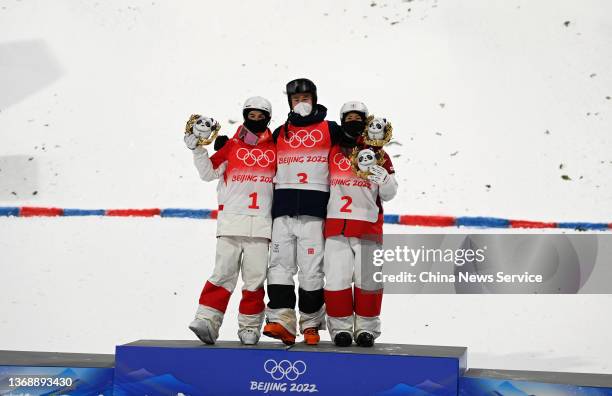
(388, 190)
(205, 166)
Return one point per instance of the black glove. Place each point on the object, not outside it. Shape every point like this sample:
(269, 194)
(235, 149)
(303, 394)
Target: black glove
(220, 142)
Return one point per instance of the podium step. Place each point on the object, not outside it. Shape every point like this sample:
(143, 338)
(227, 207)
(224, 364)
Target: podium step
(155, 367)
(51, 373)
(483, 382)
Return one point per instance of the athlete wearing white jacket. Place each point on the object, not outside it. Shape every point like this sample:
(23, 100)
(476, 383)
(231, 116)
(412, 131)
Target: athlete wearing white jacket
(300, 200)
(230, 224)
(354, 224)
(245, 166)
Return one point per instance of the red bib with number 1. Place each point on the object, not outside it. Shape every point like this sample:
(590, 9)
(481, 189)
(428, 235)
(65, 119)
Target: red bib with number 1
(248, 177)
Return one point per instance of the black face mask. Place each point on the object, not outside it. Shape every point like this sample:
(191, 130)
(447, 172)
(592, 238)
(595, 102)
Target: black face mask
(353, 128)
(256, 126)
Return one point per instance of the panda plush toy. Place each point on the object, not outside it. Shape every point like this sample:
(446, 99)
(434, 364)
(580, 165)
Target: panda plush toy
(204, 128)
(365, 159)
(376, 129)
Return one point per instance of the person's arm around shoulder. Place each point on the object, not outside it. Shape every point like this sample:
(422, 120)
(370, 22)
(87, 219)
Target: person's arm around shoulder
(276, 133)
(335, 132)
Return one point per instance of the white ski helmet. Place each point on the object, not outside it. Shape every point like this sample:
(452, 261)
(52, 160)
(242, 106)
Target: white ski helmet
(257, 103)
(354, 106)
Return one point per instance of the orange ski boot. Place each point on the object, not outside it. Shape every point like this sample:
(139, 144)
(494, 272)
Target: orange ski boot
(311, 336)
(276, 330)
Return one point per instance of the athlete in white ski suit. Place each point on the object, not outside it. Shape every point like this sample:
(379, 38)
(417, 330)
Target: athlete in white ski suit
(354, 221)
(245, 166)
(300, 200)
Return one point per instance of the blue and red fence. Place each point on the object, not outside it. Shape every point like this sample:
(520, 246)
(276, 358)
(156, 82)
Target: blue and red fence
(409, 220)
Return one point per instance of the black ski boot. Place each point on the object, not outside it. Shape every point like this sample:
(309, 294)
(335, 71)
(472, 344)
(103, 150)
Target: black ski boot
(365, 339)
(343, 339)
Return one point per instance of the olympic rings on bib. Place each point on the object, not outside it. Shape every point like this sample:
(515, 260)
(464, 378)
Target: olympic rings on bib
(255, 156)
(343, 163)
(303, 137)
(285, 369)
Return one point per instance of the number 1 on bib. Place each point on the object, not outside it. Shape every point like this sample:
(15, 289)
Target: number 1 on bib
(253, 204)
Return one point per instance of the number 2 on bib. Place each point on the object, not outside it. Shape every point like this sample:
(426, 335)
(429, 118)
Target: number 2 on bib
(253, 204)
(346, 207)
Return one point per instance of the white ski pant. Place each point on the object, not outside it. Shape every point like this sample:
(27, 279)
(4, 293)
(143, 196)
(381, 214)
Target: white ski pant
(297, 247)
(236, 253)
(349, 309)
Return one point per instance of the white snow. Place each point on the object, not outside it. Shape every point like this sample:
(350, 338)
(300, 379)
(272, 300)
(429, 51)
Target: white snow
(93, 100)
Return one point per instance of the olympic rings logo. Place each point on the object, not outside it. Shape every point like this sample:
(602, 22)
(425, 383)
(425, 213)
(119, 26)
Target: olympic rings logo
(285, 369)
(303, 138)
(343, 163)
(255, 156)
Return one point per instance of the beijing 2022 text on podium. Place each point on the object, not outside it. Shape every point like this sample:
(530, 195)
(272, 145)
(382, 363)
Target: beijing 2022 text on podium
(182, 368)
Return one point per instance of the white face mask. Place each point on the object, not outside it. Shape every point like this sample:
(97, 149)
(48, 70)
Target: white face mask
(302, 108)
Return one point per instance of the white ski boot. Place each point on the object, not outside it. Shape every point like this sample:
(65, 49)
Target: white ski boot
(248, 337)
(204, 330)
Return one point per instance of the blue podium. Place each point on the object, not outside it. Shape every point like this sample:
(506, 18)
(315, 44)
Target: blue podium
(481, 382)
(182, 368)
(50, 373)
(150, 367)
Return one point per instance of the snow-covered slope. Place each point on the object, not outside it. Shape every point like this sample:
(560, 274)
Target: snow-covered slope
(491, 101)
(471, 87)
